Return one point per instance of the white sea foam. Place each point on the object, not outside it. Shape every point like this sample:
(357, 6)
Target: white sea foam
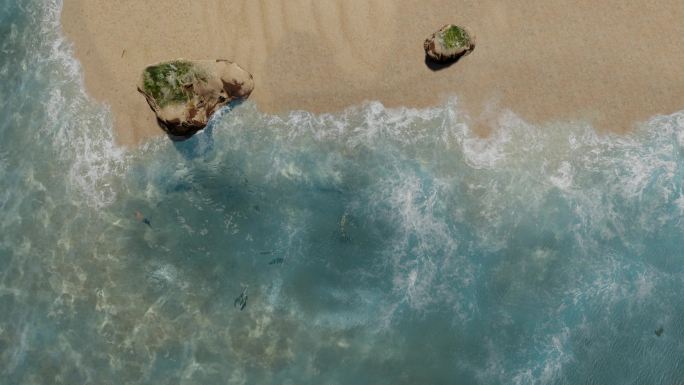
(80, 128)
(547, 370)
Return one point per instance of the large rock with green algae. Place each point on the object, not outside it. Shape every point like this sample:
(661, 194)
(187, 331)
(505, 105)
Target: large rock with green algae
(184, 94)
(449, 43)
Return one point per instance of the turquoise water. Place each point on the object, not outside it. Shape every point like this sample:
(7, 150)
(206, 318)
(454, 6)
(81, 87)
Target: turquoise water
(377, 246)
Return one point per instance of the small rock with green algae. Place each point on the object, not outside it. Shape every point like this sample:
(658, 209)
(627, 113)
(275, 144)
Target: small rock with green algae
(449, 43)
(184, 94)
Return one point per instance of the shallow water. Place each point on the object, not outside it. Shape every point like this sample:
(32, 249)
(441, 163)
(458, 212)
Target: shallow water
(376, 245)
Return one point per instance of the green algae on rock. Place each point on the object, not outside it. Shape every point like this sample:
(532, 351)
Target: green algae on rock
(449, 43)
(167, 82)
(184, 94)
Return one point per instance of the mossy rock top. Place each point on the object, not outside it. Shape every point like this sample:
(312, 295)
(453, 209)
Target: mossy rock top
(449, 43)
(454, 37)
(170, 82)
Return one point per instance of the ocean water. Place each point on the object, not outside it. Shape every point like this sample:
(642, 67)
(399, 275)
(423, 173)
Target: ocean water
(376, 245)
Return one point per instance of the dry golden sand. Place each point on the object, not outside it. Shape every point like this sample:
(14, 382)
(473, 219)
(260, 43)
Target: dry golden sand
(611, 62)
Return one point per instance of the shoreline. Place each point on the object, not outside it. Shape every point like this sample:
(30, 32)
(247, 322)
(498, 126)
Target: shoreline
(612, 64)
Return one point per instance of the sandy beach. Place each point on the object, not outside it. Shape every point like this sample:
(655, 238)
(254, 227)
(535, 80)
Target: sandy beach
(612, 63)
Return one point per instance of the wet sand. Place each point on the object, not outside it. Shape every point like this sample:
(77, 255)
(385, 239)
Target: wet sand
(612, 63)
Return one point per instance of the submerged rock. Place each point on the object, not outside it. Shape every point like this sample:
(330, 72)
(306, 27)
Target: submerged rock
(184, 94)
(449, 43)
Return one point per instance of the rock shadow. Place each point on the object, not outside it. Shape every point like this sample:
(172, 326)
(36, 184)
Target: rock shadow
(202, 142)
(197, 145)
(438, 66)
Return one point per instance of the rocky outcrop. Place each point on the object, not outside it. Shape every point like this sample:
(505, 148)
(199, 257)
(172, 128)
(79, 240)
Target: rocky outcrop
(449, 43)
(184, 94)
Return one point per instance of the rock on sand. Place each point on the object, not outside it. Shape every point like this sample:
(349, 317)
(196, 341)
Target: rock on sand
(184, 94)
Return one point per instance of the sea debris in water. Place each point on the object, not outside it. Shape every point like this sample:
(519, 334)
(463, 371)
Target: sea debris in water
(241, 300)
(659, 331)
(276, 261)
(344, 223)
(140, 217)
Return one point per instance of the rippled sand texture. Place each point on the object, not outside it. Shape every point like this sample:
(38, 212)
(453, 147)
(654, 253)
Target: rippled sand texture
(611, 62)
